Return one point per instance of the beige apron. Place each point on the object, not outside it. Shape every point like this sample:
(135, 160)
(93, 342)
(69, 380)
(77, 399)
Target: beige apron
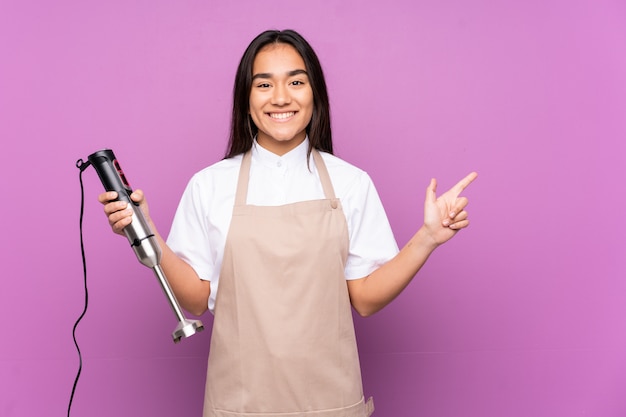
(283, 342)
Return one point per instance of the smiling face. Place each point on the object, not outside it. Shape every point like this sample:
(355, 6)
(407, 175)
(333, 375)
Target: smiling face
(281, 98)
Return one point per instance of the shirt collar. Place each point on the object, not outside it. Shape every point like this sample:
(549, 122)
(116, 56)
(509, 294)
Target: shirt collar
(294, 157)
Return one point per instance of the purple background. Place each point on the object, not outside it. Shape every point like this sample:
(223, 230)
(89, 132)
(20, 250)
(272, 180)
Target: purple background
(523, 314)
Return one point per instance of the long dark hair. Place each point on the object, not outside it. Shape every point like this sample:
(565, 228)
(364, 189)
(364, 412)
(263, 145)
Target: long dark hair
(243, 129)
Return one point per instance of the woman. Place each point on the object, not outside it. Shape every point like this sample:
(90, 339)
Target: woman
(290, 237)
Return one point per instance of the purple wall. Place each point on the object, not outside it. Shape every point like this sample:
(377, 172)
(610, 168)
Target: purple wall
(524, 314)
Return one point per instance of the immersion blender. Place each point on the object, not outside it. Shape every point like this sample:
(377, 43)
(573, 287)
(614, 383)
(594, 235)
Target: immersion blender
(140, 235)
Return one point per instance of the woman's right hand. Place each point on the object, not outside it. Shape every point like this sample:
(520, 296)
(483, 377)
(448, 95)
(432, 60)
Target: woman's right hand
(118, 212)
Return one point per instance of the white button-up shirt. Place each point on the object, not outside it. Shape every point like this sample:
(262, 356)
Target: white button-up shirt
(202, 220)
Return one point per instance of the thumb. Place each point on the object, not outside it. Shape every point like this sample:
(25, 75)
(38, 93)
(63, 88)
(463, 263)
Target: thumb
(137, 196)
(431, 191)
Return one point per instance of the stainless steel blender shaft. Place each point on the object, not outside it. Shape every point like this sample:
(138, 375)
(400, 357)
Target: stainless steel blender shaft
(149, 253)
(185, 326)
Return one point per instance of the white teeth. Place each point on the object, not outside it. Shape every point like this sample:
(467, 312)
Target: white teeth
(282, 115)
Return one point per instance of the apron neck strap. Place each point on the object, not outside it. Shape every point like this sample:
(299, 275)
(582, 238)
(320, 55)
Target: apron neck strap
(322, 171)
(242, 183)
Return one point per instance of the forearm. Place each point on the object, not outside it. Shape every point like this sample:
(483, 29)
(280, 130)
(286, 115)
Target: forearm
(191, 292)
(372, 293)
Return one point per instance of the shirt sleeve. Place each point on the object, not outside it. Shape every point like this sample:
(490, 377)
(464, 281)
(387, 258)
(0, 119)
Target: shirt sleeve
(188, 236)
(372, 242)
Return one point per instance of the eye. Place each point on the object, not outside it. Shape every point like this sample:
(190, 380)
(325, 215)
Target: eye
(297, 82)
(263, 85)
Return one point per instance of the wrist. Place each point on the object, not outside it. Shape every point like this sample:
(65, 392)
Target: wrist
(423, 238)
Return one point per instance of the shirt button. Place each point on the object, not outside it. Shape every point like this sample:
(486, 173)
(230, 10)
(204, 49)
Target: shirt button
(279, 164)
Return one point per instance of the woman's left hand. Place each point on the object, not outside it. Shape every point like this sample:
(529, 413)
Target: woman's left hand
(445, 215)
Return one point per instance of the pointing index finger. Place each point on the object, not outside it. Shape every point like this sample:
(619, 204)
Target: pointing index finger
(461, 185)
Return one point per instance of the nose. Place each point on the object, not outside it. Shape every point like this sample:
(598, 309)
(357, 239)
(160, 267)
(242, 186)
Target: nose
(280, 95)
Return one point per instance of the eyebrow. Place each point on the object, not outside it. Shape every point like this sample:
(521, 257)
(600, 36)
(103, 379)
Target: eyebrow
(266, 75)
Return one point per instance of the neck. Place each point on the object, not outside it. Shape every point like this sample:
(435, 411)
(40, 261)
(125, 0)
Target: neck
(280, 147)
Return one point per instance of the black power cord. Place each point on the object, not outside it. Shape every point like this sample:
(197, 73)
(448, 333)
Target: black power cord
(80, 164)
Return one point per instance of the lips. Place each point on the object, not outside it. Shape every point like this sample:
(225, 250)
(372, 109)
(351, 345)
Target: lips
(282, 116)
